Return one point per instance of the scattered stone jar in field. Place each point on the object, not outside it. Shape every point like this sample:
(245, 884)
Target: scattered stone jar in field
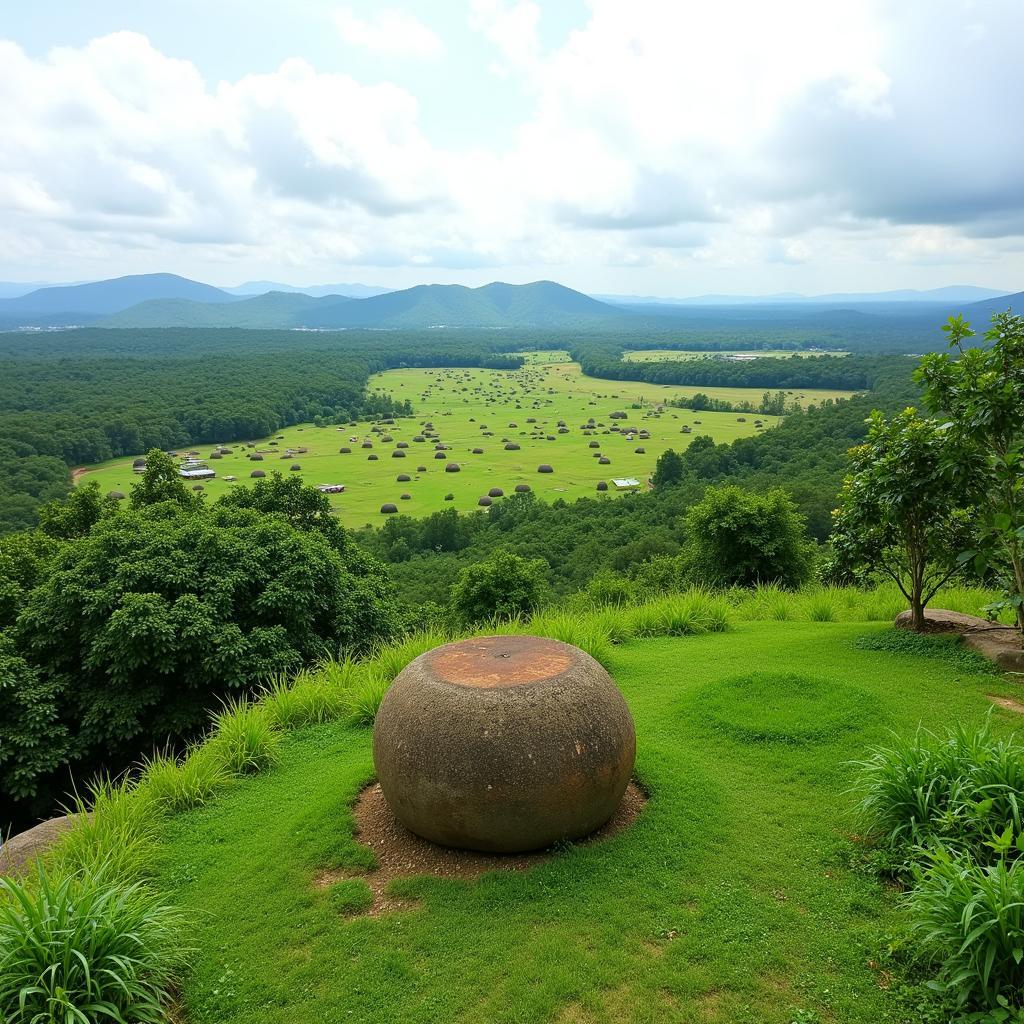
(503, 744)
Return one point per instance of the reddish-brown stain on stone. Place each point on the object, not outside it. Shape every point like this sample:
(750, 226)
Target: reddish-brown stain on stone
(499, 661)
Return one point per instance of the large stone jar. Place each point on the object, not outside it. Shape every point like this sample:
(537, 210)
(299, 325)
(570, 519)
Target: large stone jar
(503, 744)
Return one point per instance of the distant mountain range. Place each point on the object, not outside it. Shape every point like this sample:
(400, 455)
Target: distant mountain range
(351, 291)
(950, 293)
(273, 310)
(100, 298)
(541, 304)
(167, 300)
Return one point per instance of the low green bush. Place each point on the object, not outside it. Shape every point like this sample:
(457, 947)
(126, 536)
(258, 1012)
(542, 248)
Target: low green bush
(81, 948)
(963, 791)
(944, 646)
(969, 921)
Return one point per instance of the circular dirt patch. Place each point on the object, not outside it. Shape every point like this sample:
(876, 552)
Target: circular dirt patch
(401, 854)
(778, 707)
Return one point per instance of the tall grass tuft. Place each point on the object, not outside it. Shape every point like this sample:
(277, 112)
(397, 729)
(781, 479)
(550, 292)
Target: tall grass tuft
(769, 602)
(81, 948)
(616, 623)
(961, 790)
(310, 699)
(180, 785)
(969, 919)
(364, 695)
(244, 738)
(114, 829)
(691, 613)
(583, 631)
(390, 659)
(823, 605)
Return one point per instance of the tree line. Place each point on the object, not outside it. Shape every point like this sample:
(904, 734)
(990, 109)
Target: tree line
(85, 397)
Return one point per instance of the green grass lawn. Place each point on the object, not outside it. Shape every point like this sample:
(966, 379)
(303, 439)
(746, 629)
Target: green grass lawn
(659, 355)
(459, 402)
(727, 901)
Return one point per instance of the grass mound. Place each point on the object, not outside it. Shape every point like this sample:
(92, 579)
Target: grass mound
(945, 647)
(784, 707)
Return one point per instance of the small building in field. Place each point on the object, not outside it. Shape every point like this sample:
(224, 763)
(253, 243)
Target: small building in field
(196, 474)
(626, 484)
(330, 488)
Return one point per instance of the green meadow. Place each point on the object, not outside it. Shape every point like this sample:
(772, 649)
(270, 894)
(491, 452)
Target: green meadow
(482, 409)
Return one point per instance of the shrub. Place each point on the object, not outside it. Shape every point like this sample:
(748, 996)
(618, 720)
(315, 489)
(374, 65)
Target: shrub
(501, 585)
(244, 738)
(738, 537)
(963, 790)
(80, 948)
(969, 919)
(609, 588)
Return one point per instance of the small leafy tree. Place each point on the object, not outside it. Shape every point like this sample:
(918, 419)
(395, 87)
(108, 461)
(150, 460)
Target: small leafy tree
(501, 586)
(668, 469)
(900, 510)
(161, 482)
(982, 393)
(736, 537)
(75, 515)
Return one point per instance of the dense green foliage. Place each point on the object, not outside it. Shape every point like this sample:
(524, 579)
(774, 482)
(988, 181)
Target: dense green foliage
(737, 538)
(982, 391)
(78, 949)
(126, 635)
(499, 586)
(901, 511)
(850, 373)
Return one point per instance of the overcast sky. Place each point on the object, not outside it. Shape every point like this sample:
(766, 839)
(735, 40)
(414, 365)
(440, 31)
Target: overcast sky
(664, 147)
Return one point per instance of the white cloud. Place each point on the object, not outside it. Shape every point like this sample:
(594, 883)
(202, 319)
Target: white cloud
(669, 136)
(512, 27)
(388, 33)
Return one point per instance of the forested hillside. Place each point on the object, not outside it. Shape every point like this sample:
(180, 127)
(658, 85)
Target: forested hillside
(85, 396)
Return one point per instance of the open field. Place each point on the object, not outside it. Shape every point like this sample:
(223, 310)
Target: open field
(485, 409)
(659, 355)
(731, 899)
